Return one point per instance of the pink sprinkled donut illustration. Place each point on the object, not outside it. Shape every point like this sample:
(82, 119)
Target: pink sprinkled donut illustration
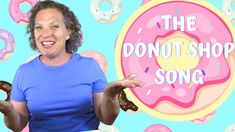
(17, 15)
(145, 1)
(157, 128)
(177, 49)
(9, 43)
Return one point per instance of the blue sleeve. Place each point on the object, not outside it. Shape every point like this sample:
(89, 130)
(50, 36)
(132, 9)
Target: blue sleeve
(17, 90)
(100, 81)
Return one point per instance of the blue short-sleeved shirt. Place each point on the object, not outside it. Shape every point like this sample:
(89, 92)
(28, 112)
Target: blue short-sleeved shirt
(59, 98)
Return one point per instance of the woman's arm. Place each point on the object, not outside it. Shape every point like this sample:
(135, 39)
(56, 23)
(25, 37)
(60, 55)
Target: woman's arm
(106, 109)
(15, 114)
(106, 104)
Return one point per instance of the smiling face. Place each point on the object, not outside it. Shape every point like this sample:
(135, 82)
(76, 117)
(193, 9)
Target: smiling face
(50, 33)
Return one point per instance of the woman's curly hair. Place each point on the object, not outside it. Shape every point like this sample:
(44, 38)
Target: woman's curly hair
(70, 20)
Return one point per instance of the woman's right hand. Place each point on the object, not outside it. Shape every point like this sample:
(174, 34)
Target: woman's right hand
(9, 112)
(6, 108)
(15, 114)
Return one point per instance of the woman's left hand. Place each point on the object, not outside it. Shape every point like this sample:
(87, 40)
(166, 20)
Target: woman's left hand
(116, 87)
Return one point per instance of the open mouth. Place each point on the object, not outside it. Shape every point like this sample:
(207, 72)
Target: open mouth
(47, 44)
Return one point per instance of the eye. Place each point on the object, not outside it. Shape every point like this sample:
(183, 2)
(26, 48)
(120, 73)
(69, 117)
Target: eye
(55, 27)
(37, 27)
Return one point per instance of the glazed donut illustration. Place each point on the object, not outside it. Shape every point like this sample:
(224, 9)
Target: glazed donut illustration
(99, 57)
(228, 9)
(17, 15)
(106, 16)
(9, 43)
(230, 128)
(136, 52)
(6, 87)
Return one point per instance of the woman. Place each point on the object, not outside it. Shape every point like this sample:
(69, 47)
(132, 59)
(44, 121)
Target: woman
(60, 90)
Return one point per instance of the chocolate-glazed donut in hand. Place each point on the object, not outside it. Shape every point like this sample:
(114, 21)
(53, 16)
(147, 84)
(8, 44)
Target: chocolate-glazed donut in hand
(124, 103)
(6, 87)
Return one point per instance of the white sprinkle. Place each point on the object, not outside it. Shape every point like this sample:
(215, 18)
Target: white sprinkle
(165, 89)
(149, 91)
(139, 31)
(180, 92)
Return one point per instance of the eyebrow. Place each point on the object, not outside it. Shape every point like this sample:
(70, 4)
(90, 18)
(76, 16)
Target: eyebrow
(56, 21)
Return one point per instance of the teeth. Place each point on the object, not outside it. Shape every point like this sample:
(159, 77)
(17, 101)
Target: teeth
(47, 43)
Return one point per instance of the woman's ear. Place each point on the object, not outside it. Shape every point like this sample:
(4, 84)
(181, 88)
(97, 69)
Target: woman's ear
(68, 34)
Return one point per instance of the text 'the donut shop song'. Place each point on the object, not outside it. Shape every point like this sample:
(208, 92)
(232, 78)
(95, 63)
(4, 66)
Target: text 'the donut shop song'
(176, 45)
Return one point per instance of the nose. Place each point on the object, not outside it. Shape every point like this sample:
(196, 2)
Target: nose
(46, 32)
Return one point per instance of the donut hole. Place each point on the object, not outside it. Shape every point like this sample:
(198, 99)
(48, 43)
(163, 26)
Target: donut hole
(3, 95)
(2, 44)
(25, 7)
(105, 6)
(174, 61)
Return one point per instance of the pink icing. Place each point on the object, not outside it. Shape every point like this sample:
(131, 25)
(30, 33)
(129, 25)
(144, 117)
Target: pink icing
(148, 26)
(157, 128)
(17, 15)
(8, 41)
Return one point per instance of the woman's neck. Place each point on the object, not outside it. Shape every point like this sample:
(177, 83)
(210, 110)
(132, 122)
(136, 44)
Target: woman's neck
(56, 61)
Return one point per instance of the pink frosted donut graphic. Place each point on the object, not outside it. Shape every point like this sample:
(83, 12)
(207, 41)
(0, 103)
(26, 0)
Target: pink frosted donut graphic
(99, 57)
(9, 43)
(145, 1)
(157, 128)
(205, 118)
(179, 85)
(15, 12)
